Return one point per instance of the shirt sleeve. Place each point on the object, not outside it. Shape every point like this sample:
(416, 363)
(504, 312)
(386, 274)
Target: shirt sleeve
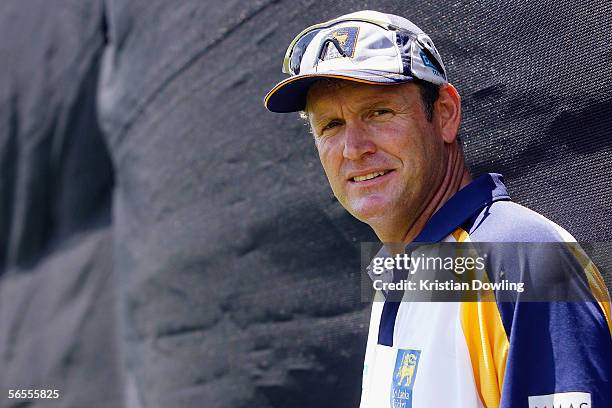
(559, 351)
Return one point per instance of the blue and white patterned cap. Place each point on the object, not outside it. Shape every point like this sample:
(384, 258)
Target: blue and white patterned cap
(366, 46)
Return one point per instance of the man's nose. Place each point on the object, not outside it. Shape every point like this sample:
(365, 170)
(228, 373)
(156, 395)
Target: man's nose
(358, 142)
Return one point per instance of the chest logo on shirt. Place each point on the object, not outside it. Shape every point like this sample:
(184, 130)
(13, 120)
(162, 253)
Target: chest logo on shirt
(404, 374)
(561, 400)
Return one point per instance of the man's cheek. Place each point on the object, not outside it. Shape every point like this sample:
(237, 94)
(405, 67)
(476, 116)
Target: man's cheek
(331, 165)
(335, 180)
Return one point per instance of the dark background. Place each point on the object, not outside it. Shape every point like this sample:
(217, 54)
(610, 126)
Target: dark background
(166, 242)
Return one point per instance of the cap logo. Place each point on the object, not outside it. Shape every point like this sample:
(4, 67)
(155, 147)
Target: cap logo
(428, 63)
(346, 38)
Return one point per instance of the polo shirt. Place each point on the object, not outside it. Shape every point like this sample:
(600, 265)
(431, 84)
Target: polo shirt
(504, 353)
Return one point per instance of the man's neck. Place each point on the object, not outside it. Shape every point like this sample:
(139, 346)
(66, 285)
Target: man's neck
(448, 189)
(456, 177)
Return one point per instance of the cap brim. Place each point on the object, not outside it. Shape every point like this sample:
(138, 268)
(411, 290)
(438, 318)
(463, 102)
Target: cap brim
(290, 95)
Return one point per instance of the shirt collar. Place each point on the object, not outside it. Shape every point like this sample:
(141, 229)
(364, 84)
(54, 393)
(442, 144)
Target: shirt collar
(465, 204)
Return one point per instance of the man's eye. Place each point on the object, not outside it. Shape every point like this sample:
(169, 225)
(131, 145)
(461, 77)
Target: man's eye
(381, 112)
(331, 125)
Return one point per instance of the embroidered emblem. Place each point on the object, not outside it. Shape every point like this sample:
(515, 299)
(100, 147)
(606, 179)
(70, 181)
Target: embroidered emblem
(404, 374)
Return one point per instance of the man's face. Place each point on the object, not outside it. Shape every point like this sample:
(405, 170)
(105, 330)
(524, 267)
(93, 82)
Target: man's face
(383, 158)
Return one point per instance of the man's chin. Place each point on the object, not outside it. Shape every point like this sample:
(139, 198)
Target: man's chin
(369, 209)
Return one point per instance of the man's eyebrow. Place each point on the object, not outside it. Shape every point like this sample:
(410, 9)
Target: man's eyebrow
(364, 103)
(322, 119)
(361, 104)
(379, 100)
(375, 101)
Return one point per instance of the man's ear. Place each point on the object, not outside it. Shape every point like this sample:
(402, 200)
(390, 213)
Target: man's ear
(447, 112)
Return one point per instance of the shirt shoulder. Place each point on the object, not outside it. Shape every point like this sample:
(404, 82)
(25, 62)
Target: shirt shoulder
(507, 221)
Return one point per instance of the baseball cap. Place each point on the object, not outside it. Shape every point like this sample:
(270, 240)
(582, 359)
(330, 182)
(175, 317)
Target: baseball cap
(365, 46)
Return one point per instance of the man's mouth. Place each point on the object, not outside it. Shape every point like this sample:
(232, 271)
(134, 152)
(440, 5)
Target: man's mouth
(370, 176)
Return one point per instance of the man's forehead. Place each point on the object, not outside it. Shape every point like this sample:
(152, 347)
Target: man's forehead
(327, 94)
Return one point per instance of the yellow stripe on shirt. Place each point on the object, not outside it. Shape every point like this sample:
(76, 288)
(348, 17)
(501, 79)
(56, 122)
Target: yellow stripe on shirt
(486, 341)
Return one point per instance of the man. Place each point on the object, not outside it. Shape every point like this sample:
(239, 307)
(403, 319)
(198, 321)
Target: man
(385, 122)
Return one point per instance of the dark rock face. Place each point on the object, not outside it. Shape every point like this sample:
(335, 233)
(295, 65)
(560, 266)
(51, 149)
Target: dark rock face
(166, 242)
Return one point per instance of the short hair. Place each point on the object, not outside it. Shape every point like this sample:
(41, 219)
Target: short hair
(429, 95)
